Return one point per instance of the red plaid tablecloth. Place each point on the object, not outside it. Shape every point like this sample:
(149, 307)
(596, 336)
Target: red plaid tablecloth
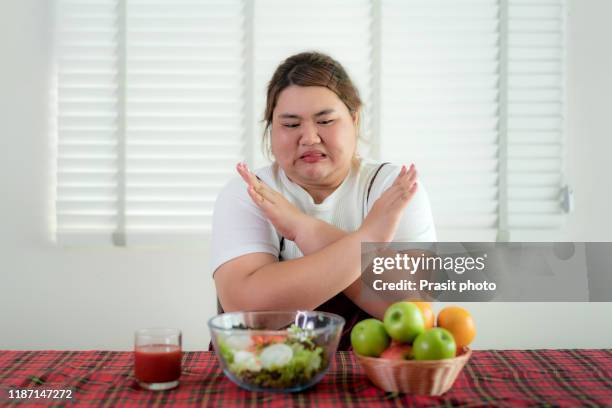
(491, 378)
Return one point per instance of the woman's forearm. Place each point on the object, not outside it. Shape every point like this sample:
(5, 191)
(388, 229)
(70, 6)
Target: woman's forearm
(308, 281)
(316, 235)
(320, 234)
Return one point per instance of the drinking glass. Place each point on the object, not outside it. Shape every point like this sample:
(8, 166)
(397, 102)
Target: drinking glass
(157, 358)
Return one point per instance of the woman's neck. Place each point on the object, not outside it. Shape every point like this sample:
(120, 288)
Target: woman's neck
(320, 191)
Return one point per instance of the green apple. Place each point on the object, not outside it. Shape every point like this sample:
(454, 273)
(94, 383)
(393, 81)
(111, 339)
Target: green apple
(434, 344)
(369, 338)
(404, 321)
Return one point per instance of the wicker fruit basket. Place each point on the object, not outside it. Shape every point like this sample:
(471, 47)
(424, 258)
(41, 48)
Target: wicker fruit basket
(431, 377)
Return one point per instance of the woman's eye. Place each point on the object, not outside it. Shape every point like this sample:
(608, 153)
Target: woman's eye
(326, 122)
(291, 125)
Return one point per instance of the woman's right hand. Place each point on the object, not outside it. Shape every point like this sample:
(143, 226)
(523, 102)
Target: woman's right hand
(286, 217)
(381, 222)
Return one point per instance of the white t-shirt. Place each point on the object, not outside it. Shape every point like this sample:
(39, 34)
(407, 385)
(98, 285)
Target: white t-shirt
(239, 227)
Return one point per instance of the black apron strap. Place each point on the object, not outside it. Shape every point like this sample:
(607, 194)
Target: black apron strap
(371, 183)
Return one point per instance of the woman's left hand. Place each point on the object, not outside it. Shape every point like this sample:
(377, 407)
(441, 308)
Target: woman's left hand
(285, 217)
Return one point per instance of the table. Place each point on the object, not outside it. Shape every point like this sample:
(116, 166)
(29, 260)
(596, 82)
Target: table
(510, 378)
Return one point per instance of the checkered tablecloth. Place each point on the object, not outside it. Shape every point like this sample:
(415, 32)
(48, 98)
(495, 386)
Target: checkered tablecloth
(491, 378)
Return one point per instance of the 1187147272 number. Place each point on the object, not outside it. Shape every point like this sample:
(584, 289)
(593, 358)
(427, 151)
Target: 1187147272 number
(29, 393)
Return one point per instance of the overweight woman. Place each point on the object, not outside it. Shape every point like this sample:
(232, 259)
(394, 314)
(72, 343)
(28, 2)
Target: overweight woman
(288, 236)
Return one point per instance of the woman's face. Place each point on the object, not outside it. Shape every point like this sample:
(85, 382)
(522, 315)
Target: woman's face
(313, 136)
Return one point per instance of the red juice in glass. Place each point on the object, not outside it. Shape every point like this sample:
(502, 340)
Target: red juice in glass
(157, 363)
(157, 358)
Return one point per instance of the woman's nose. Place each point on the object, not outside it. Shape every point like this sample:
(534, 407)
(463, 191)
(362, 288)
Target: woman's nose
(310, 135)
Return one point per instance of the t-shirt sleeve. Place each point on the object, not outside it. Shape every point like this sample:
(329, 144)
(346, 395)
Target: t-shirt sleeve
(416, 224)
(239, 227)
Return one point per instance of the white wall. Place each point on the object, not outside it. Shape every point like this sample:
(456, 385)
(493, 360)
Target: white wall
(589, 124)
(58, 298)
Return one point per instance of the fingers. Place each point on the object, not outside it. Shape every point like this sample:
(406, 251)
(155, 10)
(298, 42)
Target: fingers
(407, 195)
(404, 187)
(259, 192)
(257, 198)
(408, 179)
(246, 175)
(399, 177)
(405, 179)
(411, 176)
(258, 186)
(266, 206)
(403, 196)
(406, 176)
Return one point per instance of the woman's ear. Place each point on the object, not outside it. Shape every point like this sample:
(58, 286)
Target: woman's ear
(356, 118)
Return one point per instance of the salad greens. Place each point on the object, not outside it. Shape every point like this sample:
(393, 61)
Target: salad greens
(282, 362)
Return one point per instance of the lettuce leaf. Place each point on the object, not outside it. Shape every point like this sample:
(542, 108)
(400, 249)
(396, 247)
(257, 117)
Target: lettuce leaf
(302, 367)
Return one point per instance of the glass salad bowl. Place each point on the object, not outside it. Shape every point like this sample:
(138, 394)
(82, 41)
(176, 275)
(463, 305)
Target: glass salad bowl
(275, 351)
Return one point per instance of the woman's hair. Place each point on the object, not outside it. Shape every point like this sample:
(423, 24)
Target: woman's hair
(309, 69)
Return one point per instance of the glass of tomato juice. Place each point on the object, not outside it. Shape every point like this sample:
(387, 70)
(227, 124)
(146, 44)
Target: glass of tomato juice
(157, 358)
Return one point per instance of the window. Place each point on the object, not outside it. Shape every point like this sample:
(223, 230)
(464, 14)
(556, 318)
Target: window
(473, 90)
(158, 99)
(151, 117)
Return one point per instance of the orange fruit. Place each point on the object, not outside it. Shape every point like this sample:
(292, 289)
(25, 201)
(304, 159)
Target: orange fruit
(460, 323)
(428, 313)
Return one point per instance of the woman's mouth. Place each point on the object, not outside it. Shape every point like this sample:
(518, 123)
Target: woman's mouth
(312, 157)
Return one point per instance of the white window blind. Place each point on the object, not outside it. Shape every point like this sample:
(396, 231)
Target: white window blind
(439, 106)
(535, 106)
(472, 92)
(87, 66)
(151, 97)
(157, 100)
